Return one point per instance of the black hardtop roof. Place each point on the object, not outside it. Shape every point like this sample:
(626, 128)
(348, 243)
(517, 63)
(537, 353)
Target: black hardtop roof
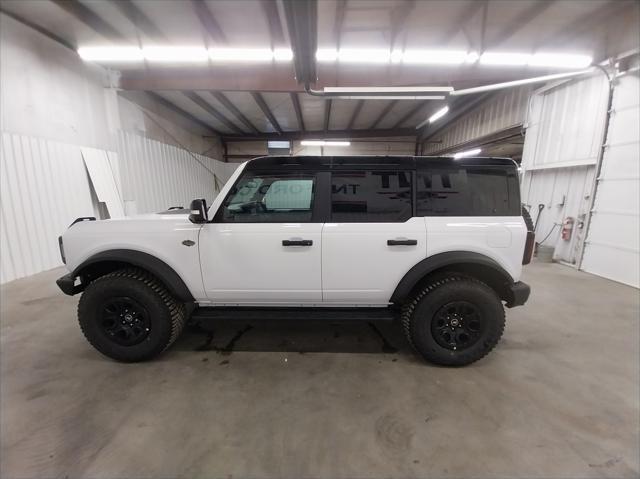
(368, 161)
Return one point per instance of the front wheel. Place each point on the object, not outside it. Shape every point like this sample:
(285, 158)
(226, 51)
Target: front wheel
(454, 321)
(129, 316)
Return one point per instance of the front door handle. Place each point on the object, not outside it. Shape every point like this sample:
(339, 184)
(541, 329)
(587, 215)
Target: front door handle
(402, 242)
(297, 242)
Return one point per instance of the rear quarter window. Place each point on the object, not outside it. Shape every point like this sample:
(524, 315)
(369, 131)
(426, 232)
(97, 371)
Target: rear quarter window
(468, 191)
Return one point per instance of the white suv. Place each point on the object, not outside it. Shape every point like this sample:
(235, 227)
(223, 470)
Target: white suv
(438, 243)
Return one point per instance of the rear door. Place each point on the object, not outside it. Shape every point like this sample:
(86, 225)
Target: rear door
(371, 238)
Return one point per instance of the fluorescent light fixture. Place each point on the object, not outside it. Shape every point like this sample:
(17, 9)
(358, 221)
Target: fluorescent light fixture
(241, 54)
(472, 57)
(278, 144)
(505, 59)
(439, 114)
(560, 60)
(324, 143)
(111, 54)
(326, 55)
(283, 55)
(363, 55)
(442, 57)
(175, 54)
(389, 97)
(396, 56)
(387, 89)
(464, 154)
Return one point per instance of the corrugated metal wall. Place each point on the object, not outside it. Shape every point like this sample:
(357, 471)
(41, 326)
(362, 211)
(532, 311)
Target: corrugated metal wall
(562, 142)
(504, 110)
(612, 248)
(45, 186)
(156, 176)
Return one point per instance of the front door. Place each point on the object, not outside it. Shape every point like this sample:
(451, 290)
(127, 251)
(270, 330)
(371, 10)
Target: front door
(264, 244)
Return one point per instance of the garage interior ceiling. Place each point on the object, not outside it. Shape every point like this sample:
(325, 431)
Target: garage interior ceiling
(266, 100)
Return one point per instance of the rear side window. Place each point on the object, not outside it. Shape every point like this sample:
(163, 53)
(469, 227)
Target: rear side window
(468, 191)
(370, 196)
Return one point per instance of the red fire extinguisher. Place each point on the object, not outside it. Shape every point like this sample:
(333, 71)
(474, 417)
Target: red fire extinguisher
(567, 228)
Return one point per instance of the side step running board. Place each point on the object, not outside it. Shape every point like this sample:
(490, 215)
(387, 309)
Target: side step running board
(313, 314)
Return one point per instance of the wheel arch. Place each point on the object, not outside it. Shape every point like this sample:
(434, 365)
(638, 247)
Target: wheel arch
(111, 260)
(468, 263)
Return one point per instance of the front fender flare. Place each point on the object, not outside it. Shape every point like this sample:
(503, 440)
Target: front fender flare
(165, 273)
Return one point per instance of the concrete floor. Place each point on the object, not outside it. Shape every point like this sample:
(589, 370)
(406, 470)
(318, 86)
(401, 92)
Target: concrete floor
(559, 397)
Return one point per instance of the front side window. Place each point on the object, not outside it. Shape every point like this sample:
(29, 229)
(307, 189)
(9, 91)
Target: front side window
(370, 196)
(270, 198)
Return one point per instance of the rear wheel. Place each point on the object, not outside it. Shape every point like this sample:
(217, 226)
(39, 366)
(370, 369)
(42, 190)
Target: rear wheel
(454, 321)
(129, 316)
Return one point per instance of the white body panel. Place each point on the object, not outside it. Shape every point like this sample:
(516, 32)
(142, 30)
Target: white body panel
(358, 267)
(501, 238)
(246, 263)
(158, 235)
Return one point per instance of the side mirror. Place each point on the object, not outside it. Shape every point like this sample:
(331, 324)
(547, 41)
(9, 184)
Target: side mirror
(198, 211)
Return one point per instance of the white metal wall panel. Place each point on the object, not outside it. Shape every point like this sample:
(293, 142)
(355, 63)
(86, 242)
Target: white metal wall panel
(505, 110)
(612, 248)
(564, 192)
(103, 179)
(44, 188)
(565, 124)
(157, 176)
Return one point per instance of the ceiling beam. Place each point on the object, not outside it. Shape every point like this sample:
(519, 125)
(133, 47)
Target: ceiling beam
(296, 106)
(197, 99)
(341, 9)
(335, 134)
(208, 21)
(354, 115)
(586, 23)
(468, 12)
(399, 18)
(185, 114)
(327, 114)
(302, 23)
(383, 114)
(139, 19)
(218, 95)
(409, 114)
(521, 21)
(270, 9)
(52, 36)
(267, 112)
(90, 19)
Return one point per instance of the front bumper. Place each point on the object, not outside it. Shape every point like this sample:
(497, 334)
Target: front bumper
(518, 294)
(67, 284)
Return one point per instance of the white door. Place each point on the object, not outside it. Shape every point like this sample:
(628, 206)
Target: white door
(263, 246)
(372, 240)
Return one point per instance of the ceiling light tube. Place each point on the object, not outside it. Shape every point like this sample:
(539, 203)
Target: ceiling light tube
(364, 55)
(443, 57)
(324, 143)
(176, 54)
(439, 114)
(464, 154)
(111, 54)
(387, 97)
(504, 59)
(560, 60)
(326, 55)
(387, 89)
(242, 54)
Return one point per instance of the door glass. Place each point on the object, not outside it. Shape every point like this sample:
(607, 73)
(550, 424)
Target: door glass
(370, 196)
(270, 198)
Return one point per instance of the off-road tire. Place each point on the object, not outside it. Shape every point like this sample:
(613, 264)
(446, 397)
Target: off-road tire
(166, 316)
(419, 313)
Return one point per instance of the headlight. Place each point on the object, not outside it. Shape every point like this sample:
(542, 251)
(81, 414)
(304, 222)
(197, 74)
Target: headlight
(64, 260)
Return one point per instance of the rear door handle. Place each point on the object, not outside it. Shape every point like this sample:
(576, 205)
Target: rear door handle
(297, 242)
(402, 242)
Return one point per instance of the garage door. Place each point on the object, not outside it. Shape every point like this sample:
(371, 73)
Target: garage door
(612, 248)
